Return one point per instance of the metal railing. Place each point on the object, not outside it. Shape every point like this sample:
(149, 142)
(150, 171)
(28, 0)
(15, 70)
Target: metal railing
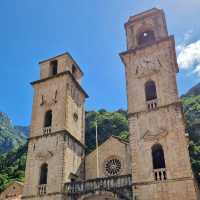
(106, 184)
(42, 189)
(160, 174)
(47, 130)
(152, 104)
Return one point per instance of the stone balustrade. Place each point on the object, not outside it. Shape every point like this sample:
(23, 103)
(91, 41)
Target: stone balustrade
(160, 174)
(151, 105)
(46, 130)
(99, 184)
(42, 189)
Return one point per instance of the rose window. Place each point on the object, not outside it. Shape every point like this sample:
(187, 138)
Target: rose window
(113, 167)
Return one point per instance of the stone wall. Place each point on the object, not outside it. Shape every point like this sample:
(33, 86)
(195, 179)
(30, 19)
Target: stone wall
(65, 63)
(64, 98)
(153, 20)
(161, 68)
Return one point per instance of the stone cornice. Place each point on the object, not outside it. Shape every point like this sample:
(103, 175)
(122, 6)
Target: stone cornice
(165, 181)
(149, 45)
(156, 42)
(132, 114)
(48, 194)
(61, 132)
(62, 74)
(145, 14)
(67, 54)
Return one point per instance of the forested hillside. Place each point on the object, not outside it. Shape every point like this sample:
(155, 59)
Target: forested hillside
(109, 123)
(10, 136)
(191, 108)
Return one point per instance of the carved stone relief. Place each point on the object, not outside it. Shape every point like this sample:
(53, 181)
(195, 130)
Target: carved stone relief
(43, 156)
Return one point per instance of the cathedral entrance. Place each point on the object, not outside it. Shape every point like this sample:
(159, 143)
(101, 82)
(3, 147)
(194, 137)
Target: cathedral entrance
(100, 196)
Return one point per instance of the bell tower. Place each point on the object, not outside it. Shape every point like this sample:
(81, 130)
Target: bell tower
(56, 143)
(161, 167)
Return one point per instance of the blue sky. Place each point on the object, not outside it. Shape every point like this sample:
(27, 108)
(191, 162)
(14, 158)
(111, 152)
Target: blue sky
(93, 32)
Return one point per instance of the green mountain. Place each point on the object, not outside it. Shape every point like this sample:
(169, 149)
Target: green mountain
(191, 109)
(194, 91)
(22, 130)
(109, 123)
(10, 136)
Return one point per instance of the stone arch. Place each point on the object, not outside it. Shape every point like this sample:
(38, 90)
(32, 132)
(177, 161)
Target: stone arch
(43, 174)
(158, 157)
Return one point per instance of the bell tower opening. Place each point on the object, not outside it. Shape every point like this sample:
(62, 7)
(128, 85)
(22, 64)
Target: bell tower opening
(146, 37)
(43, 174)
(48, 119)
(150, 91)
(54, 67)
(158, 157)
(151, 95)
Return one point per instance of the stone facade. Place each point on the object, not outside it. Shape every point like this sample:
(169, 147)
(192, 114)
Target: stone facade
(12, 192)
(57, 167)
(151, 58)
(120, 150)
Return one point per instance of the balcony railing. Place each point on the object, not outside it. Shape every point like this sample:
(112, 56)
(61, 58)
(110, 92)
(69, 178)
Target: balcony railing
(42, 189)
(99, 184)
(152, 104)
(47, 130)
(160, 174)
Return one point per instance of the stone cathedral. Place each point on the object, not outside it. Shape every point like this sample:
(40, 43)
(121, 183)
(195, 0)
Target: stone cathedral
(153, 165)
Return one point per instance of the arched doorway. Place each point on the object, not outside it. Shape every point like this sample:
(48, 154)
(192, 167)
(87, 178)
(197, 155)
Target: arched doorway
(100, 196)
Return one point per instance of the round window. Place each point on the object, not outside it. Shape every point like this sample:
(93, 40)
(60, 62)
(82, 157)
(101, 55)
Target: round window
(113, 167)
(75, 117)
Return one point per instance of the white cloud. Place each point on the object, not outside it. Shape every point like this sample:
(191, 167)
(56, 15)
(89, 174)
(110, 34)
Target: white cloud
(189, 56)
(197, 70)
(186, 39)
(188, 35)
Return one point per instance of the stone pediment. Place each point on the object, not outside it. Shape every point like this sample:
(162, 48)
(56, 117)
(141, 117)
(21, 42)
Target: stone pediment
(149, 135)
(44, 155)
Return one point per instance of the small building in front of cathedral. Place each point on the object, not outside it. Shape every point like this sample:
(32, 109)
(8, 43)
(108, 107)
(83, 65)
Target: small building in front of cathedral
(113, 161)
(13, 191)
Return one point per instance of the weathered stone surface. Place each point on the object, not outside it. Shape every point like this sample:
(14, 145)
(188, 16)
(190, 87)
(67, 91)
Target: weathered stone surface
(61, 145)
(112, 148)
(161, 123)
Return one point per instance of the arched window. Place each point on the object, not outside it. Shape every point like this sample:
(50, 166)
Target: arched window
(150, 90)
(43, 174)
(158, 157)
(48, 119)
(146, 37)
